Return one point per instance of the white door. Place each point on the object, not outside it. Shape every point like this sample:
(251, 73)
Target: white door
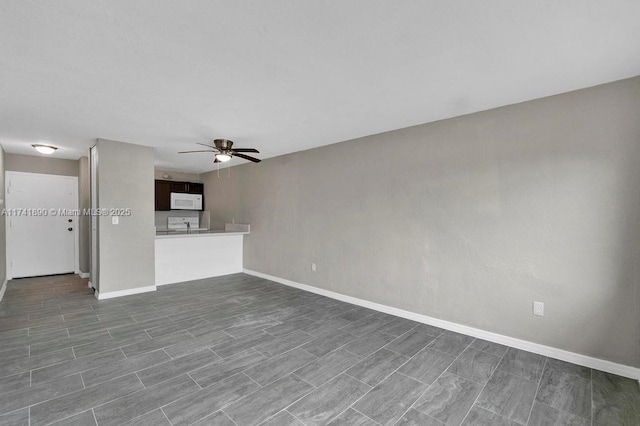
(41, 225)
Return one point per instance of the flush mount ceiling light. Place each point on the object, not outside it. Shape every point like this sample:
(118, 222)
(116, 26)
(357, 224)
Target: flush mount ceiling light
(44, 149)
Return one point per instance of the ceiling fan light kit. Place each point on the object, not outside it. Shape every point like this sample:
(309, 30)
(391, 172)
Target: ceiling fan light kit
(224, 152)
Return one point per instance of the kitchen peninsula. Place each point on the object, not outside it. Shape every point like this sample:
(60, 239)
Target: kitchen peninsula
(185, 256)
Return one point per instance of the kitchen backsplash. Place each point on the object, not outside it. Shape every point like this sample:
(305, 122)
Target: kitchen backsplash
(162, 218)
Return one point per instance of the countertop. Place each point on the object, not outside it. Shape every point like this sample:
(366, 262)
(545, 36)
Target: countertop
(201, 233)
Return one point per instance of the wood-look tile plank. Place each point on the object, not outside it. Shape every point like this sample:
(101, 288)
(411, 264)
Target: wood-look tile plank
(283, 418)
(16, 418)
(14, 342)
(351, 417)
(327, 367)
(368, 344)
(15, 383)
(243, 343)
(565, 392)
(195, 344)
(522, 364)
(124, 367)
(388, 401)
(376, 367)
(279, 366)
(266, 402)
(144, 401)
(154, 418)
(82, 400)
(85, 418)
(449, 399)
(209, 400)
(324, 344)
(427, 365)
(475, 365)
(478, 416)
(416, 418)
(397, 327)
(73, 366)
(206, 376)
(410, 343)
(284, 343)
(177, 367)
(508, 396)
(289, 326)
(154, 344)
(216, 419)
(543, 415)
(364, 326)
(488, 347)
(105, 345)
(29, 396)
(327, 401)
(451, 343)
(68, 342)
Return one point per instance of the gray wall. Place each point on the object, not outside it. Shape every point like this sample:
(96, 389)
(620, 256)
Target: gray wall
(84, 202)
(469, 219)
(41, 164)
(3, 233)
(127, 250)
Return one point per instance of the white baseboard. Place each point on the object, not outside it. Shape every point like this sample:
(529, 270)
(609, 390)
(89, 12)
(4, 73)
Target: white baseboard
(84, 274)
(561, 354)
(120, 293)
(3, 289)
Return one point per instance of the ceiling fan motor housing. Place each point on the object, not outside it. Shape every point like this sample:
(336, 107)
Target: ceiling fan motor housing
(223, 144)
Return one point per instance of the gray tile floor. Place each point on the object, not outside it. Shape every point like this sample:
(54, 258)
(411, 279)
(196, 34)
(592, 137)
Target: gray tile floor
(240, 350)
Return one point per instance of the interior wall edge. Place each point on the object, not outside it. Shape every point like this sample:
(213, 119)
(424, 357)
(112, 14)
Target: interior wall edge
(121, 293)
(3, 288)
(561, 354)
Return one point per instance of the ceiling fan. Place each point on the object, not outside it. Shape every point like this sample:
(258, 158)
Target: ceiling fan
(223, 151)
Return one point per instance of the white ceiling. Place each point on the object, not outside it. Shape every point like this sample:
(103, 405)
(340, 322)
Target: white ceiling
(284, 76)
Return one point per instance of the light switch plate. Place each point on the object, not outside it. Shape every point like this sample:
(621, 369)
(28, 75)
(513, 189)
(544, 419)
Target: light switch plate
(115, 220)
(538, 308)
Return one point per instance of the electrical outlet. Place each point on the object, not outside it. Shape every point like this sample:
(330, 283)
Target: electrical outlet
(313, 267)
(538, 308)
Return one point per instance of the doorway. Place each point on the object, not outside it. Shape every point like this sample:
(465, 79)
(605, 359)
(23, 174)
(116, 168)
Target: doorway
(41, 221)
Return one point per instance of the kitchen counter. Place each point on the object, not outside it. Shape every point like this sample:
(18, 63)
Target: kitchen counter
(184, 256)
(197, 233)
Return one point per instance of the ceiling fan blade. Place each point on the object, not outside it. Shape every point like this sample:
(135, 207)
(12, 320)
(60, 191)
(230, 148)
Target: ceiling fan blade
(246, 150)
(246, 157)
(187, 152)
(204, 144)
(216, 160)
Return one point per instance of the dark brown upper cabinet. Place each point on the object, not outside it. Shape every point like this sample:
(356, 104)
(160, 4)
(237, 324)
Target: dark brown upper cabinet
(164, 188)
(195, 188)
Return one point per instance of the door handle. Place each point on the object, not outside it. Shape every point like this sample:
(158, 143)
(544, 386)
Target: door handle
(69, 229)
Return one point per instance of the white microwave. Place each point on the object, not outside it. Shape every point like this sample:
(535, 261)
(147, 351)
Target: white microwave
(181, 201)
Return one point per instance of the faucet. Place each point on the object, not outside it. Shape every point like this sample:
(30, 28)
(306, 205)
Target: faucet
(188, 227)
